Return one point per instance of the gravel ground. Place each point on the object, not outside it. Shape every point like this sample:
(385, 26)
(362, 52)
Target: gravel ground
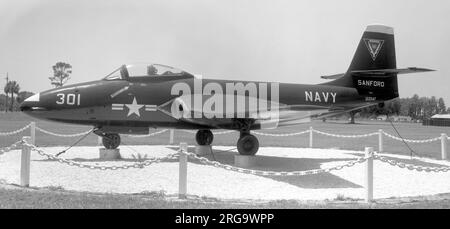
(208, 181)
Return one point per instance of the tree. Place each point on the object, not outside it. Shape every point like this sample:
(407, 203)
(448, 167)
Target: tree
(6, 90)
(352, 116)
(12, 87)
(415, 109)
(23, 95)
(396, 106)
(441, 106)
(3, 101)
(61, 73)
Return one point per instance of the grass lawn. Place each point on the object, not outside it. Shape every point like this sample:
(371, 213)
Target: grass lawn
(14, 197)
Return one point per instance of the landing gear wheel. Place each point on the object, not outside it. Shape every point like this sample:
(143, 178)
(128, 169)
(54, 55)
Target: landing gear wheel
(111, 141)
(247, 145)
(204, 137)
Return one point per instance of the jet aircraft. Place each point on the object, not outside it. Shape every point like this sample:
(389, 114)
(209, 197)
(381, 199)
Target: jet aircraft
(136, 98)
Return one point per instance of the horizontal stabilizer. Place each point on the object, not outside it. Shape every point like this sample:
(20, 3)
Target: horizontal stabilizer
(332, 77)
(386, 72)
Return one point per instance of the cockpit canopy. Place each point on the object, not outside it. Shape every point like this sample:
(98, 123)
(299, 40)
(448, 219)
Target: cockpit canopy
(130, 71)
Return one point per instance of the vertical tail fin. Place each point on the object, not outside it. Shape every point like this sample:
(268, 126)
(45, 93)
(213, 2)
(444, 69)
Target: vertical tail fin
(376, 51)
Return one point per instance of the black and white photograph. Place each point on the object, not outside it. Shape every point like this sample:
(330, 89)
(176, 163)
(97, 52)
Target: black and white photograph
(226, 105)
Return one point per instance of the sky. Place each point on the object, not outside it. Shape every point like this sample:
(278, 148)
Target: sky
(288, 41)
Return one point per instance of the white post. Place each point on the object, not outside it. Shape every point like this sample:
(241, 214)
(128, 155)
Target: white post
(444, 146)
(33, 133)
(99, 141)
(369, 174)
(380, 140)
(25, 163)
(171, 136)
(182, 177)
(310, 137)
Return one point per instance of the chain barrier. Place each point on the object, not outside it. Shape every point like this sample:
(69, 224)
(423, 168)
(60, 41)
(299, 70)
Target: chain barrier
(412, 141)
(411, 166)
(223, 132)
(206, 161)
(346, 136)
(15, 131)
(62, 135)
(281, 135)
(230, 131)
(138, 165)
(272, 173)
(147, 135)
(11, 147)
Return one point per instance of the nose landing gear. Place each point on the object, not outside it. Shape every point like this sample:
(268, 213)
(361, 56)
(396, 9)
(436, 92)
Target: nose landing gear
(109, 140)
(204, 137)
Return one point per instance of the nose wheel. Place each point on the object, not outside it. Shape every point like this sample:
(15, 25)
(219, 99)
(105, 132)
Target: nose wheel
(111, 141)
(204, 137)
(247, 144)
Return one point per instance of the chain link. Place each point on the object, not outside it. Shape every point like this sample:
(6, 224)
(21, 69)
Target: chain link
(139, 165)
(272, 173)
(412, 141)
(230, 131)
(281, 135)
(346, 136)
(190, 131)
(223, 132)
(411, 166)
(62, 135)
(11, 147)
(148, 135)
(224, 166)
(15, 131)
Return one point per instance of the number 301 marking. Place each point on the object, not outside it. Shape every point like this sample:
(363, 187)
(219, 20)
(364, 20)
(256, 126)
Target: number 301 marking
(70, 99)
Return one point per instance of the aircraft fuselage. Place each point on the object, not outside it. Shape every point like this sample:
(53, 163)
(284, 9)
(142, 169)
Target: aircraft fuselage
(134, 102)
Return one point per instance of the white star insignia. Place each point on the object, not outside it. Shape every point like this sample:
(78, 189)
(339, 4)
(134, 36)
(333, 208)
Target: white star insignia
(134, 108)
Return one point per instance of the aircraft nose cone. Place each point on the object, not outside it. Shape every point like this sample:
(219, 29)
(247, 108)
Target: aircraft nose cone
(30, 103)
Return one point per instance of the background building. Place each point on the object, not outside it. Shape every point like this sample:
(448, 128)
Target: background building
(438, 120)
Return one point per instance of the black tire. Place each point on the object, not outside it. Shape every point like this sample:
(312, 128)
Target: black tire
(204, 137)
(111, 141)
(248, 145)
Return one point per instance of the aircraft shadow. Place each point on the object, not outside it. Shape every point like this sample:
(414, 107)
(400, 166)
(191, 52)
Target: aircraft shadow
(279, 164)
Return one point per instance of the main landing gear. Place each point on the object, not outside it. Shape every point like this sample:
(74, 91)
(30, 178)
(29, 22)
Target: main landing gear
(204, 137)
(246, 145)
(110, 141)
